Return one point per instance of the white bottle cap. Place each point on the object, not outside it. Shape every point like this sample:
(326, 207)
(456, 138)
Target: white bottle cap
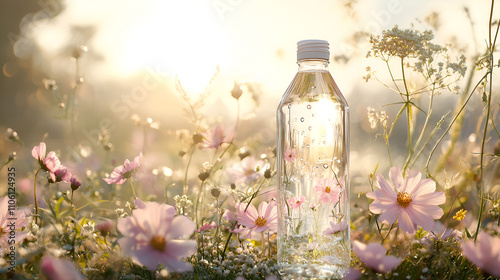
(313, 49)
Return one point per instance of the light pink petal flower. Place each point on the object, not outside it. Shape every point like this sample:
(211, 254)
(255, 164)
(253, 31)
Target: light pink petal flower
(38, 152)
(266, 218)
(375, 256)
(207, 227)
(216, 137)
(51, 164)
(247, 170)
(411, 200)
(334, 228)
(295, 202)
(5, 219)
(59, 269)
(352, 274)
(121, 173)
(328, 190)
(230, 216)
(152, 235)
(485, 253)
(290, 154)
(62, 174)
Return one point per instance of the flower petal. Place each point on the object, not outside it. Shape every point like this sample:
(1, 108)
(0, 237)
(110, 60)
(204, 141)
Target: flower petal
(424, 187)
(435, 198)
(411, 181)
(396, 177)
(390, 215)
(405, 222)
(420, 218)
(181, 248)
(181, 227)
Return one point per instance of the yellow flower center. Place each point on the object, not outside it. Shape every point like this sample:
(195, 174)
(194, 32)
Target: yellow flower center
(298, 202)
(158, 243)
(260, 222)
(404, 199)
(460, 215)
(327, 189)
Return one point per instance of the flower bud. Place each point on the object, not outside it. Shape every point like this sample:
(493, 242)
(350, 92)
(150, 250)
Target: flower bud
(203, 175)
(197, 138)
(215, 192)
(75, 184)
(236, 92)
(268, 174)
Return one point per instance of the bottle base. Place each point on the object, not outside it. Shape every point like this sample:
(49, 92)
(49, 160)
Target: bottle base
(304, 271)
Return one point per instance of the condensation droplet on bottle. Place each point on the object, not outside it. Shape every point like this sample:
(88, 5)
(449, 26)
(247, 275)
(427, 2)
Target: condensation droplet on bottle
(310, 128)
(324, 142)
(307, 146)
(308, 106)
(313, 87)
(325, 166)
(313, 141)
(289, 106)
(313, 115)
(302, 133)
(302, 119)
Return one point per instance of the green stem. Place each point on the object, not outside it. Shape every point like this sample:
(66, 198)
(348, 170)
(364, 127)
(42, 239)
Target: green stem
(34, 194)
(408, 116)
(132, 187)
(185, 191)
(424, 128)
(480, 183)
(198, 200)
(451, 124)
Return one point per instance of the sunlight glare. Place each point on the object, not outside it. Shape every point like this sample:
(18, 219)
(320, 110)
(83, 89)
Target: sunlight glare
(178, 37)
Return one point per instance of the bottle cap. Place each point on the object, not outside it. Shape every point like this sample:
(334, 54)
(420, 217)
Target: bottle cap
(313, 49)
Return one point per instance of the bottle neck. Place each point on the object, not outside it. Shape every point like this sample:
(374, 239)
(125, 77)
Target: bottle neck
(313, 65)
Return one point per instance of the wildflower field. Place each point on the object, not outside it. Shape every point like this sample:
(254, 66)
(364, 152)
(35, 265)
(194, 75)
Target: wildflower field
(140, 178)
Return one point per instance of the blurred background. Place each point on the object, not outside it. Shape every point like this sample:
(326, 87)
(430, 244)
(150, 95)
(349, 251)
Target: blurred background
(120, 62)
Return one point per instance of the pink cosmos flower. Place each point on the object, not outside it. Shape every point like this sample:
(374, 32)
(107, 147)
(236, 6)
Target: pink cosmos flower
(51, 164)
(352, 274)
(266, 218)
(485, 253)
(295, 202)
(121, 173)
(215, 137)
(105, 227)
(410, 200)
(39, 151)
(153, 235)
(290, 154)
(59, 269)
(61, 175)
(75, 183)
(207, 226)
(334, 228)
(246, 171)
(374, 256)
(229, 216)
(20, 219)
(328, 190)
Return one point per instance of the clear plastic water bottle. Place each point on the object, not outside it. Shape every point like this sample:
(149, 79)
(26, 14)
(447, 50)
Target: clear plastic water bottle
(313, 170)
